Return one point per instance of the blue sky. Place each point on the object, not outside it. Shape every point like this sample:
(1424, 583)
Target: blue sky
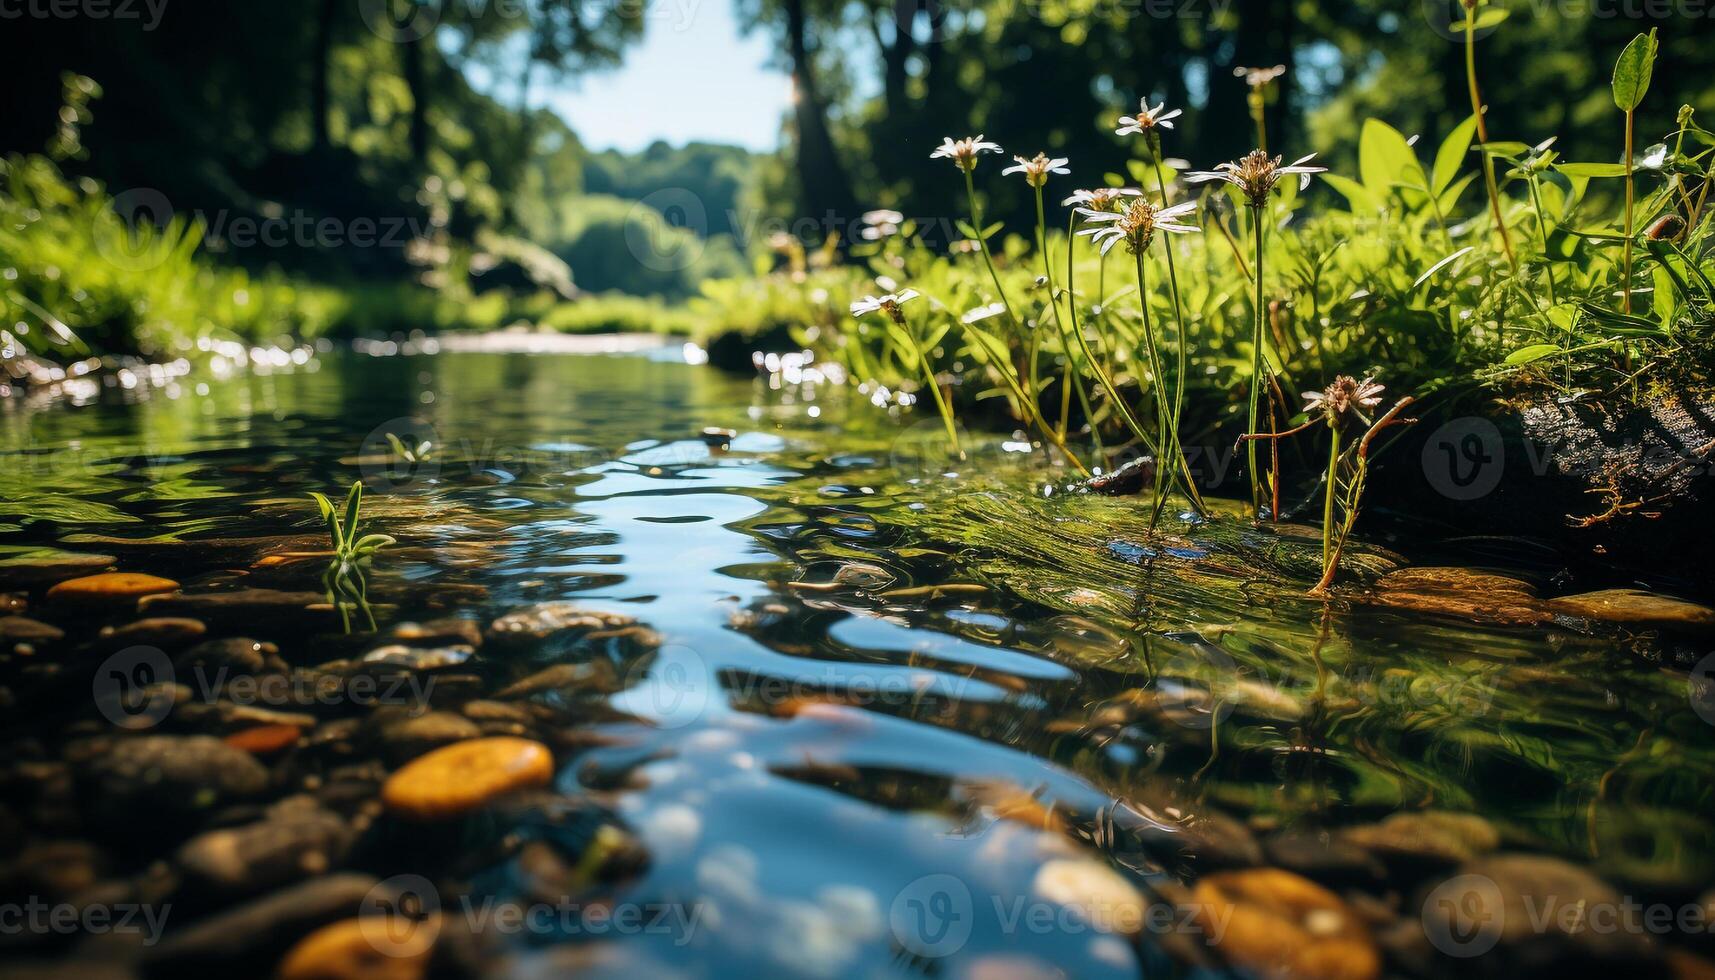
(692, 77)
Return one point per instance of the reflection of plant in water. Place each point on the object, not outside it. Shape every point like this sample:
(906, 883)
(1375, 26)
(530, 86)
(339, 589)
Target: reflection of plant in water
(343, 581)
(1347, 470)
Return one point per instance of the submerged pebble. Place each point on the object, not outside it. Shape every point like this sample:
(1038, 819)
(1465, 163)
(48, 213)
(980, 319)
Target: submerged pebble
(110, 588)
(459, 778)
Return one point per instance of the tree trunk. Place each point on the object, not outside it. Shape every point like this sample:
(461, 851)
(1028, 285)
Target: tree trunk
(416, 80)
(821, 176)
(319, 105)
(896, 55)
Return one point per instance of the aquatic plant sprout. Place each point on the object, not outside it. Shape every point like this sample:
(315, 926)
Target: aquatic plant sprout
(344, 580)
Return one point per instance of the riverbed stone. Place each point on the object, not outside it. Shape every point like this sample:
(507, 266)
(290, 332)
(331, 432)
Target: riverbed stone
(404, 736)
(1323, 856)
(1284, 926)
(22, 629)
(247, 609)
(1101, 895)
(258, 930)
(1633, 607)
(1539, 916)
(49, 566)
(1425, 841)
(297, 839)
(1459, 593)
(164, 780)
(166, 632)
(236, 656)
(265, 740)
(116, 589)
(419, 658)
(549, 619)
(454, 631)
(595, 675)
(459, 778)
(377, 948)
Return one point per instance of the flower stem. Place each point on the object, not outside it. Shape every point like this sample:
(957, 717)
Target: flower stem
(1078, 331)
(1257, 227)
(1483, 130)
(935, 390)
(1059, 321)
(1631, 190)
(1164, 467)
(1002, 363)
(1328, 500)
(1180, 329)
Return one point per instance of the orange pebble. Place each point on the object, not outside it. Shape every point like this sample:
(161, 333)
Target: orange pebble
(458, 778)
(264, 739)
(363, 949)
(110, 586)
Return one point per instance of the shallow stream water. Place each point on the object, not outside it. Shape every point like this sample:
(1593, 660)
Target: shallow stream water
(864, 709)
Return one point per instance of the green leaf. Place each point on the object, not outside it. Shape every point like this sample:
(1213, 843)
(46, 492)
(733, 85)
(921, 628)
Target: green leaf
(369, 544)
(1437, 267)
(935, 335)
(1503, 148)
(353, 502)
(1355, 193)
(1490, 18)
(1620, 323)
(1450, 196)
(1592, 169)
(331, 518)
(1385, 158)
(1451, 155)
(1535, 352)
(1632, 72)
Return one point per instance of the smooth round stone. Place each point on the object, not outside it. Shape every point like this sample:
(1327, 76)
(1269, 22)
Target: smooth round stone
(1106, 900)
(459, 778)
(158, 631)
(111, 587)
(354, 949)
(1634, 607)
(22, 629)
(265, 739)
(1282, 926)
